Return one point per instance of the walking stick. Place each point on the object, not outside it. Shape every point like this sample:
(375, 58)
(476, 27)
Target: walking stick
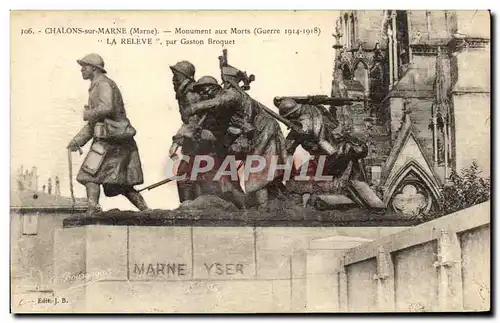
(70, 165)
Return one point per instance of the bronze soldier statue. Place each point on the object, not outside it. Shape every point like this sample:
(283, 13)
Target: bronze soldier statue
(211, 140)
(249, 129)
(213, 125)
(320, 135)
(183, 81)
(113, 160)
(231, 112)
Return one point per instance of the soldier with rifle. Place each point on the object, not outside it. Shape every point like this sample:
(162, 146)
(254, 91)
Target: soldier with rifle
(250, 130)
(183, 82)
(213, 140)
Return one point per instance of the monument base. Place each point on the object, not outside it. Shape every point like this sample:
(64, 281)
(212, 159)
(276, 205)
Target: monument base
(135, 263)
(306, 217)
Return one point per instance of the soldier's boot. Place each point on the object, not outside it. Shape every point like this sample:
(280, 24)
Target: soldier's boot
(261, 198)
(232, 192)
(305, 199)
(185, 188)
(136, 198)
(186, 191)
(93, 193)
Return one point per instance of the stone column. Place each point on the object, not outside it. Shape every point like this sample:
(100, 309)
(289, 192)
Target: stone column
(385, 281)
(429, 24)
(395, 46)
(449, 266)
(348, 29)
(391, 66)
(410, 51)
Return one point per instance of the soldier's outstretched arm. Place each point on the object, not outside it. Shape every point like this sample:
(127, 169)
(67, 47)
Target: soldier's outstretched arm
(191, 97)
(291, 143)
(327, 147)
(227, 98)
(104, 106)
(84, 135)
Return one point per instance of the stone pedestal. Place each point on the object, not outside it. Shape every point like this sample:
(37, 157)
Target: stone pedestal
(199, 269)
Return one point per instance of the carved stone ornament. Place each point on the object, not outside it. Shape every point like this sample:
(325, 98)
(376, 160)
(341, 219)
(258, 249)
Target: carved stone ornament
(412, 199)
(344, 57)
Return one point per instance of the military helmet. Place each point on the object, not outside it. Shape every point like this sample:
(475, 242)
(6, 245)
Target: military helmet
(206, 80)
(288, 106)
(94, 60)
(185, 68)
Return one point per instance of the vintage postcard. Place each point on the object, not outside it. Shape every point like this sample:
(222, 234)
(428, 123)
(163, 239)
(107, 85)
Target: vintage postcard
(250, 161)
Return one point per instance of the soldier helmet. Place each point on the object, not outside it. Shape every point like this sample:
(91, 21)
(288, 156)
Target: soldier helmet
(94, 60)
(206, 80)
(185, 68)
(288, 106)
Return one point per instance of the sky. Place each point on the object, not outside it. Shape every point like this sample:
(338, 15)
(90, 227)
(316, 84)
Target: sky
(48, 93)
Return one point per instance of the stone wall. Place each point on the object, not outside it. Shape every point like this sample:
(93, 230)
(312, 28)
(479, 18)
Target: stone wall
(32, 243)
(442, 265)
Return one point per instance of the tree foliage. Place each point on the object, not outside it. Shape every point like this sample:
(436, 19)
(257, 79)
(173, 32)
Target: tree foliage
(465, 189)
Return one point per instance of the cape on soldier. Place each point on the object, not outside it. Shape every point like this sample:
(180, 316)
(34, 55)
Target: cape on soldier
(113, 160)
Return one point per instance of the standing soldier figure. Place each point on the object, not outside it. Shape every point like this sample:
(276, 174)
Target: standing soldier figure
(183, 82)
(249, 130)
(113, 160)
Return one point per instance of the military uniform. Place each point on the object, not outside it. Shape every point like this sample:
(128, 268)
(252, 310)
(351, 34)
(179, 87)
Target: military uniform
(234, 108)
(320, 136)
(227, 108)
(114, 163)
(186, 133)
(186, 95)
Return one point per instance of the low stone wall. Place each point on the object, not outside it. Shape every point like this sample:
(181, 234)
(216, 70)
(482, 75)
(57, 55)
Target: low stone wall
(32, 246)
(441, 265)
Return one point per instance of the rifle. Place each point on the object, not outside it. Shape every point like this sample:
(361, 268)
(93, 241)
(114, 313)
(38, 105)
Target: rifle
(241, 76)
(155, 185)
(285, 121)
(319, 99)
(160, 183)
